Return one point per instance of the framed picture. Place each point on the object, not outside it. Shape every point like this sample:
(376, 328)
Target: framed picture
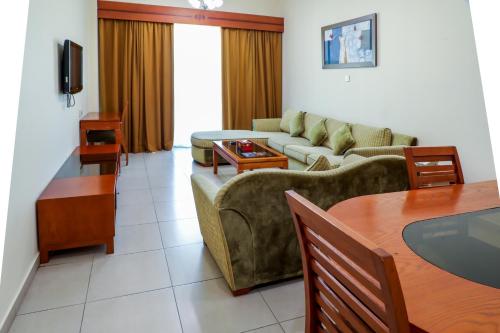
(351, 43)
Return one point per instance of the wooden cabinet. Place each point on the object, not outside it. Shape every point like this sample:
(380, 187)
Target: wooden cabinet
(77, 208)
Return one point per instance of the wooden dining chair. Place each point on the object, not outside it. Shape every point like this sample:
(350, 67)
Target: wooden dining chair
(109, 136)
(433, 166)
(351, 285)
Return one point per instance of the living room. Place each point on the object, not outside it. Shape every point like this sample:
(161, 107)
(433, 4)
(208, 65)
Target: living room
(199, 239)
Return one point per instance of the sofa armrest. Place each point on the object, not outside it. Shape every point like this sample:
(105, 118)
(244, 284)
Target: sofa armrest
(204, 187)
(376, 151)
(266, 125)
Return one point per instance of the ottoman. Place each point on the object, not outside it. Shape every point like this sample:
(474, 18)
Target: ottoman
(202, 142)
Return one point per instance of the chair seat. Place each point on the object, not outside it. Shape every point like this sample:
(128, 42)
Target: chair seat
(107, 136)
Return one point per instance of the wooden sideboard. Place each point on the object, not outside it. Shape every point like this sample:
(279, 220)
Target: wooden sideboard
(77, 208)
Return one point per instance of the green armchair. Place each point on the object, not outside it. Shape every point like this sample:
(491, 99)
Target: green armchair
(246, 223)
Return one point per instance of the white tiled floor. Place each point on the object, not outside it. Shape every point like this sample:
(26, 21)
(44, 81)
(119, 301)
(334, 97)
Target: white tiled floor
(161, 277)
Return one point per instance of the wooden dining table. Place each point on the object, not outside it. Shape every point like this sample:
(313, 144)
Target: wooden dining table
(436, 300)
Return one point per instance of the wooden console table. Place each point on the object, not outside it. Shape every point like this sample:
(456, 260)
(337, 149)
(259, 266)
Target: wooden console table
(77, 208)
(101, 121)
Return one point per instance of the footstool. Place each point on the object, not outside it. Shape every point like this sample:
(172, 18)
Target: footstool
(202, 142)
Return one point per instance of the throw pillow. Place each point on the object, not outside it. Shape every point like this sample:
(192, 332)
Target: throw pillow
(285, 120)
(321, 164)
(342, 140)
(297, 124)
(317, 134)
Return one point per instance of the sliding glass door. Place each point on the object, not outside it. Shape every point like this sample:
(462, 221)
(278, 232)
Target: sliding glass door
(197, 81)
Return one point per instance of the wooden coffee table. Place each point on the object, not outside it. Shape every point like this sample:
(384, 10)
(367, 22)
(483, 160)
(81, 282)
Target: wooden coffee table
(228, 151)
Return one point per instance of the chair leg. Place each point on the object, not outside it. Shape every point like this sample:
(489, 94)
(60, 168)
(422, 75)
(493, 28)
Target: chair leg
(126, 157)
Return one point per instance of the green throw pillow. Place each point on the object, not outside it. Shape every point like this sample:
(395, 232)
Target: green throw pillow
(297, 124)
(342, 140)
(285, 120)
(317, 134)
(321, 164)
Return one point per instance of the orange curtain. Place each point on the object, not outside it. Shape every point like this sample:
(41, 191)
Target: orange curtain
(251, 76)
(136, 66)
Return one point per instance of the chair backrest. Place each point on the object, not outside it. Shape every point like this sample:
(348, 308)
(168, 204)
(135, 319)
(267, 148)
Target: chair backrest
(433, 166)
(350, 284)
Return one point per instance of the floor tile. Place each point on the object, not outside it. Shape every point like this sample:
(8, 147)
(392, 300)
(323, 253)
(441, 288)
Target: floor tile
(127, 274)
(151, 312)
(276, 328)
(175, 210)
(182, 232)
(209, 307)
(127, 172)
(134, 197)
(177, 179)
(80, 255)
(173, 193)
(191, 263)
(62, 320)
(286, 300)
(134, 161)
(135, 214)
(137, 238)
(294, 326)
(57, 286)
(127, 183)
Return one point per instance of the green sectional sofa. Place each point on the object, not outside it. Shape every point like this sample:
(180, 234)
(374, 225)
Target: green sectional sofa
(369, 141)
(246, 223)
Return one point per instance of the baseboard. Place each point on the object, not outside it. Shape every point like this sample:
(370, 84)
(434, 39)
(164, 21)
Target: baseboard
(16, 302)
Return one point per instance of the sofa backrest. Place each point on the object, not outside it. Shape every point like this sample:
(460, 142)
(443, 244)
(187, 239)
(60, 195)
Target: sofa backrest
(368, 136)
(365, 136)
(403, 140)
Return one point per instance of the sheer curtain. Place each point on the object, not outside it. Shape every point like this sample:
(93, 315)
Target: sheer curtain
(197, 81)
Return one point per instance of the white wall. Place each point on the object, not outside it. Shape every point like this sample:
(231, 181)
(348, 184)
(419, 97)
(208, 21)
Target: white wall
(47, 132)
(427, 83)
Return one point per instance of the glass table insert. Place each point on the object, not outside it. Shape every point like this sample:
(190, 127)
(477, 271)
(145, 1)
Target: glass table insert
(467, 245)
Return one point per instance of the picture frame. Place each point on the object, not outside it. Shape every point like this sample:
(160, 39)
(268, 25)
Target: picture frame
(350, 44)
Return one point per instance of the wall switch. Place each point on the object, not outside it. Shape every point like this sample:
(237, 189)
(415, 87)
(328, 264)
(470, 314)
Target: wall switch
(347, 78)
(80, 113)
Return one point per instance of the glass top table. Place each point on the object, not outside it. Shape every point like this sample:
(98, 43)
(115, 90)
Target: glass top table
(467, 245)
(73, 167)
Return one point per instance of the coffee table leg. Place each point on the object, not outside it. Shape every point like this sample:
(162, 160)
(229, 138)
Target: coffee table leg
(215, 161)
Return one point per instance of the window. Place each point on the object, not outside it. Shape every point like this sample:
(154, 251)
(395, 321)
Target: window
(197, 81)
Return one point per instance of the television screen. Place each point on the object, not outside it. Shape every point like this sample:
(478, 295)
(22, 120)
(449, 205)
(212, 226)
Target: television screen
(72, 68)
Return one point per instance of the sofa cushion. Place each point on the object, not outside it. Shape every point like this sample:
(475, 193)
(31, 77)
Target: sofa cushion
(351, 159)
(297, 124)
(341, 140)
(300, 153)
(279, 141)
(285, 120)
(321, 164)
(333, 159)
(309, 121)
(318, 133)
(367, 136)
(206, 139)
(331, 126)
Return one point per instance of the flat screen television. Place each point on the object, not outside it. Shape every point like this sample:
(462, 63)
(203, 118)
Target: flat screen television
(72, 68)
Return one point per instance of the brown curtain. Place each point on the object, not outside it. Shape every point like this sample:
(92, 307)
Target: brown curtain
(136, 66)
(251, 76)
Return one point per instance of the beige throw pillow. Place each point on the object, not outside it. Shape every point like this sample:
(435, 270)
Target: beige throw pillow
(321, 164)
(342, 140)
